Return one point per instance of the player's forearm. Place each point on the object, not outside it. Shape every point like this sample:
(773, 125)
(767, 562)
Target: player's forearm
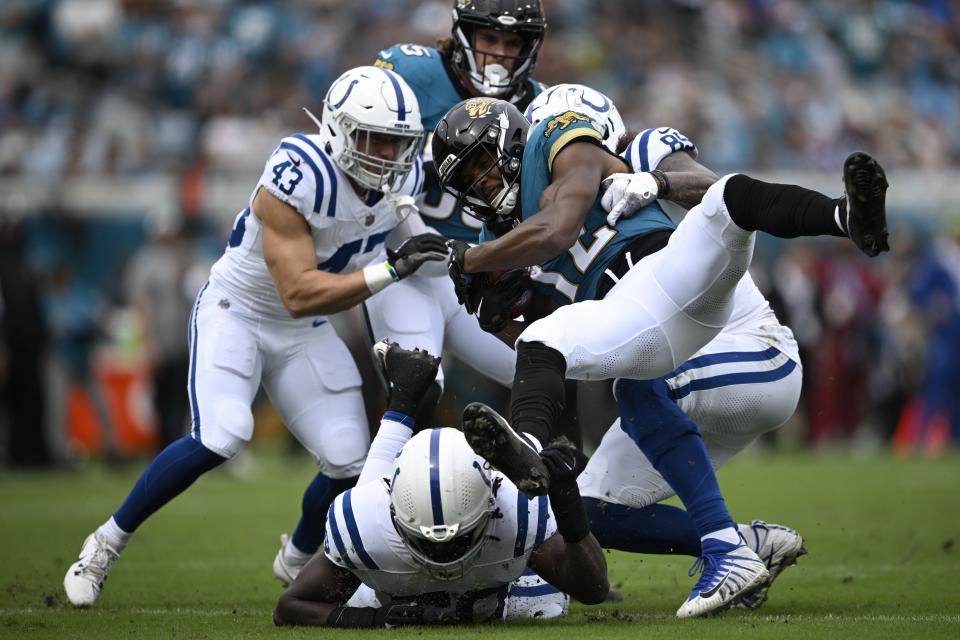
(386, 446)
(688, 187)
(294, 611)
(584, 571)
(317, 293)
(530, 243)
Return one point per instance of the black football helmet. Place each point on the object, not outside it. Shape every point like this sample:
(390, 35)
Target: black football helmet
(524, 17)
(473, 138)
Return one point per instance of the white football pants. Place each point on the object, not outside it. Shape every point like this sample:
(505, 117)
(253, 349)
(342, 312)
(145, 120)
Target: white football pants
(664, 309)
(306, 370)
(741, 385)
(423, 312)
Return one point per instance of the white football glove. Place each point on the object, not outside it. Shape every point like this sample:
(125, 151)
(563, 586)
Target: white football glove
(626, 193)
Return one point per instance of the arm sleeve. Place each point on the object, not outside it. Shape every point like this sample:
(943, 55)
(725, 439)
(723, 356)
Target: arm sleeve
(651, 146)
(395, 429)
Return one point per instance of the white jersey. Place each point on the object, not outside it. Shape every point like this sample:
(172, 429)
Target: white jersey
(361, 537)
(348, 232)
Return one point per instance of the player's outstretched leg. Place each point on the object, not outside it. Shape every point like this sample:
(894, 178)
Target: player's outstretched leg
(492, 438)
(170, 473)
(789, 211)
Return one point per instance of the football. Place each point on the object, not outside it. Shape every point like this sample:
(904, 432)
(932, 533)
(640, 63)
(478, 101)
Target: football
(513, 277)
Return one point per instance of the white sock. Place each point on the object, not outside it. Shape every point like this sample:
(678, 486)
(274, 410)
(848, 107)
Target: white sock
(114, 535)
(294, 556)
(729, 535)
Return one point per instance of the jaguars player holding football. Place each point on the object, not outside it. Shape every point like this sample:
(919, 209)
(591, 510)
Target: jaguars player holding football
(308, 244)
(431, 535)
(659, 314)
(492, 51)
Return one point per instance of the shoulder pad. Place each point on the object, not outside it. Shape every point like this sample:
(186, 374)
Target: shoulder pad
(411, 61)
(299, 173)
(343, 543)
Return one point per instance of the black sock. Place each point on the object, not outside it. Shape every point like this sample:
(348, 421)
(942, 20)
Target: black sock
(538, 390)
(782, 210)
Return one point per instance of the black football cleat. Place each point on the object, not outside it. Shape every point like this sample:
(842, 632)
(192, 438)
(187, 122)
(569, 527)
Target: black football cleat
(865, 186)
(494, 440)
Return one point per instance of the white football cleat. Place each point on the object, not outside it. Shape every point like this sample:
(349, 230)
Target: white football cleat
(84, 580)
(778, 547)
(284, 569)
(728, 571)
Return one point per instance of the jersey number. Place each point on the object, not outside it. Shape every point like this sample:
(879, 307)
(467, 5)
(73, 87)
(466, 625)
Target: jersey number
(676, 141)
(296, 177)
(414, 50)
(582, 255)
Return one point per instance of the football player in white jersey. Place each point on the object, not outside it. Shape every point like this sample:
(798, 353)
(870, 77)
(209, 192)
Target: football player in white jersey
(431, 535)
(662, 310)
(308, 244)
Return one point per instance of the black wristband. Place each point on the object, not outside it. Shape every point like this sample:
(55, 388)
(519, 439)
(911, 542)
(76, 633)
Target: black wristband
(568, 510)
(355, 618)
(663, 184)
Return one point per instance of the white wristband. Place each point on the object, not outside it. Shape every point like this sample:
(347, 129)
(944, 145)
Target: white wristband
(379, 276)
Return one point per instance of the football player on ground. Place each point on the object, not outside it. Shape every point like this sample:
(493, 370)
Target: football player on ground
(663, 308)
(308, 244)
(492, 52)
(431, 535)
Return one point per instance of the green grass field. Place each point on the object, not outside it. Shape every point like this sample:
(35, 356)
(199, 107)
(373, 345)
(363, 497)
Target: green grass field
(882, 536)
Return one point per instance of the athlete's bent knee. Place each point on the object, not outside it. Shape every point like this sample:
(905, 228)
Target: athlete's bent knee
(234, 427)
(344, 450)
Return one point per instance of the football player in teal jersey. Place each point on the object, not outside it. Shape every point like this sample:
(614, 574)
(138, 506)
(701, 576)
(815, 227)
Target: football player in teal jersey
(491, 52)
(540, 194)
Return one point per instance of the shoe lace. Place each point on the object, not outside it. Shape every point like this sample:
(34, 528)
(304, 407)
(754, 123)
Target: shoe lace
(707, 565)
(100, 562)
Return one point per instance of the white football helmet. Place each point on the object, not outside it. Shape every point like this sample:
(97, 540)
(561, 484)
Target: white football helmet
(361, 106)
(582, 99)
(441, 500)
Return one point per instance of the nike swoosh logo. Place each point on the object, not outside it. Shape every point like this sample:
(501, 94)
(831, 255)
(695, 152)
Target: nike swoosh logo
(295, 161)
(708, 594)
(386, 55)
(664, 130)
(317, 323)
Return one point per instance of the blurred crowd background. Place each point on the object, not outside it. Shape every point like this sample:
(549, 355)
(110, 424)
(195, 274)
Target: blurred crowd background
(125, 125)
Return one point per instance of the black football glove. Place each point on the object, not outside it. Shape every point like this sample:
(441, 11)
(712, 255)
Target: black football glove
(414, 251)
(467, 285)
(564, 463)
(499, 298)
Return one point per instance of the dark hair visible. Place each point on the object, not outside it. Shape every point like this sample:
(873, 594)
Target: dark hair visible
(445, 47)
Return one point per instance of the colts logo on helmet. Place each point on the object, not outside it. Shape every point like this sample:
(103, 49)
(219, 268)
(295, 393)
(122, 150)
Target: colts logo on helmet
(563, 121)
(478, 107)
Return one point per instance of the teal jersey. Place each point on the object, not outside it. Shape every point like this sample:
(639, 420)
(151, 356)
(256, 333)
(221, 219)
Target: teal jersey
(432, 81)
(575, 274)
